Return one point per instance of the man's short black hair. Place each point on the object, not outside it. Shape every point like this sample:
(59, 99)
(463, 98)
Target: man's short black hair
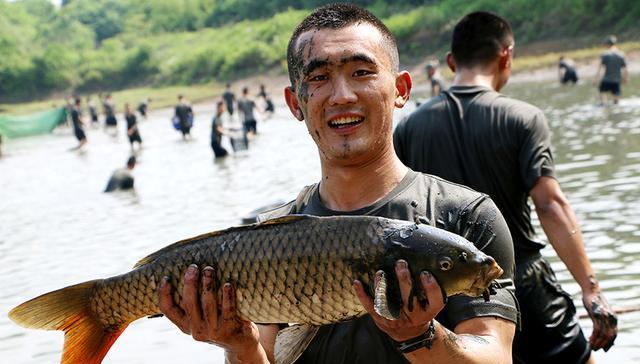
(336, 16)
(479, 37)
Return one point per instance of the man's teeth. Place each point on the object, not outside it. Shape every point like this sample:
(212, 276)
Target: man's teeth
(345, 120)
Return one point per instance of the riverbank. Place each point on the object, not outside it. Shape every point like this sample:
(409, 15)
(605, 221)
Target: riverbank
(528, 68)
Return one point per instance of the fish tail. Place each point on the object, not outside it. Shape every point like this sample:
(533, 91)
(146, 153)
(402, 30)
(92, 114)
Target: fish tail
(86, 339)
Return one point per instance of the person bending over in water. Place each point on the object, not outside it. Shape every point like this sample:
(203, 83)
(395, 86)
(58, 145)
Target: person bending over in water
(122, 179)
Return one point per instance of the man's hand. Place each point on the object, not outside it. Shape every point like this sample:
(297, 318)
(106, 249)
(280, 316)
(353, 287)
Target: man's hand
(605, 321)
(411, 323)
(201, 316)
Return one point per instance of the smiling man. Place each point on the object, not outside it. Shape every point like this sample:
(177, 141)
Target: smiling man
(345, 85)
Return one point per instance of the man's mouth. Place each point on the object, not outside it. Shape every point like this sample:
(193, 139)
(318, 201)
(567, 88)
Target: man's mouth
(345, 122)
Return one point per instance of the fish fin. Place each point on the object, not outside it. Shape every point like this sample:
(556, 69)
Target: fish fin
(381, 299)
(277, 221)
(86, 340)
(292, 342)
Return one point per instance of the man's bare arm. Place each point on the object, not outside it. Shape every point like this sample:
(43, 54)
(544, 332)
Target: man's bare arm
(563, 231)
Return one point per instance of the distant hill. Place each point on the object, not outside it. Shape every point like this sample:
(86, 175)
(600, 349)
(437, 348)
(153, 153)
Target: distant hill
(91, 45)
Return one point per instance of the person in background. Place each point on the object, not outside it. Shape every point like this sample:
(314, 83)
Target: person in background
(133, 133)
(143, 107)
(121, 178)
(217, 131)
(475, 136)
(266, 99)
(110, 121)
(184, 113)
(567, 72)
(345, 85)
(78, 123)
(434, 76)
(93, 112)
(247, 106)
(615, 71)
(229, 98)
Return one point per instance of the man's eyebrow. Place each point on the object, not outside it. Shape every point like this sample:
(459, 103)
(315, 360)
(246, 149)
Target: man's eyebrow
(313, 65)
(318, 63)
(358, 57)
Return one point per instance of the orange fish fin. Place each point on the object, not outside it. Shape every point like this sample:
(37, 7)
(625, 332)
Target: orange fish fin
(86, 340)
(179, 244)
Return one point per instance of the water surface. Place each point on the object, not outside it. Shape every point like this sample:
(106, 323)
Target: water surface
(57, 228)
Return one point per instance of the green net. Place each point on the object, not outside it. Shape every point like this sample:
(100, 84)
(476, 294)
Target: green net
(32, 124)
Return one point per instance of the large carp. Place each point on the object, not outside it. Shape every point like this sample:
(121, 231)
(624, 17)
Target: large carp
(295, 269)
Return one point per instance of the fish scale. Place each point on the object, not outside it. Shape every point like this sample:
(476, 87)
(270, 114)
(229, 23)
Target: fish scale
(296, 269)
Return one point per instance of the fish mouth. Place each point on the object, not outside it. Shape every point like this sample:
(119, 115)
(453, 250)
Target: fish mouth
(485, 277)
(343, 122)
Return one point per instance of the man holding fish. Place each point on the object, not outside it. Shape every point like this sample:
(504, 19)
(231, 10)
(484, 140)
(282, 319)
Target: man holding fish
(345, 84)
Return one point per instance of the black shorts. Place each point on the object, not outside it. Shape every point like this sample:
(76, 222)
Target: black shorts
(250, 125)
(608, 86)
(135, 137)
(79, 134)
(550, 331)
(111, 120)
(569, 76)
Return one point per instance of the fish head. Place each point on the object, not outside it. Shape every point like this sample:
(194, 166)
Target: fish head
(458, 266)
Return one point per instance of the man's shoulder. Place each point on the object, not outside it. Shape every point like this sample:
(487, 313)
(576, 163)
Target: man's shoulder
(451, 194)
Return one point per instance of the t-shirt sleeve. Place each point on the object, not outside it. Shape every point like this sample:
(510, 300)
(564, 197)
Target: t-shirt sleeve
(536, 157)
(488, 230)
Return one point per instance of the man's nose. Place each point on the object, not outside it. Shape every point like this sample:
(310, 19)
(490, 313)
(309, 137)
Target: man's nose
(342, 92)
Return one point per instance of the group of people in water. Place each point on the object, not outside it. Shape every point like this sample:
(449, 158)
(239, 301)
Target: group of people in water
(76, 113)
(222, 124)
(611, 73)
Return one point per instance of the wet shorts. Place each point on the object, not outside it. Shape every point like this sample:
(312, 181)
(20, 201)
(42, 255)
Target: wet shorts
(550, 331)
(613, 87)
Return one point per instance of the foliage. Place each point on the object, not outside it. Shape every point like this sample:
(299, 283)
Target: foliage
(88, 45)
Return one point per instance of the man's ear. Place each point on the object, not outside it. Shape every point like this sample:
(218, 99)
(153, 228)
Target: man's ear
(451, 62)
(403, 88)
(292, 101)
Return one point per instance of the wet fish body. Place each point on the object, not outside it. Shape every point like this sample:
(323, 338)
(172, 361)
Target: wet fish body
(296, 269)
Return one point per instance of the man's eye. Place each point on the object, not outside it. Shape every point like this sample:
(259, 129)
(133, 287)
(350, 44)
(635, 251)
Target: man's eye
(317, 78)
(362, 73)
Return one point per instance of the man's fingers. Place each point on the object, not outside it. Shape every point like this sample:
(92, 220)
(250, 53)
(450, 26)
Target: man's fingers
(433, 292)
(172, 311)
(208, 298)
(190, 296)
(404, 280)
(364, 298)
(228, 303)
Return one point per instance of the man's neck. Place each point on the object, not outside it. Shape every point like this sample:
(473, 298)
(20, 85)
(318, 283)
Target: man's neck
(475, 77)
(348, 188)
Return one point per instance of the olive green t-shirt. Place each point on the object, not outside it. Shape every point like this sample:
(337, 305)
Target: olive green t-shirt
(423, 199)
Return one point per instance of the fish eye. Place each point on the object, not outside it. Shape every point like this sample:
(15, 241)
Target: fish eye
(445, 264)
(463, 257)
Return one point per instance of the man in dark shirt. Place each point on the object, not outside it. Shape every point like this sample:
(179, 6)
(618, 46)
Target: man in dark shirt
(78, 123)
(184, 113)
(434, 76)
(217, 131)
(229, 98)
(345, 85)
(567, 71)
(247, 107)
(133, 133)
(122, 179)
(615, 70)
(500, 146)
(110, 121)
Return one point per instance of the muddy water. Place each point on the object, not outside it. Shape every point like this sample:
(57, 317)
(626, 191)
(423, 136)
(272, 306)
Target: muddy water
(57, 228)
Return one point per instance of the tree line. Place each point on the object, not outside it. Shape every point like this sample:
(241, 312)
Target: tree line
(89, 45)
